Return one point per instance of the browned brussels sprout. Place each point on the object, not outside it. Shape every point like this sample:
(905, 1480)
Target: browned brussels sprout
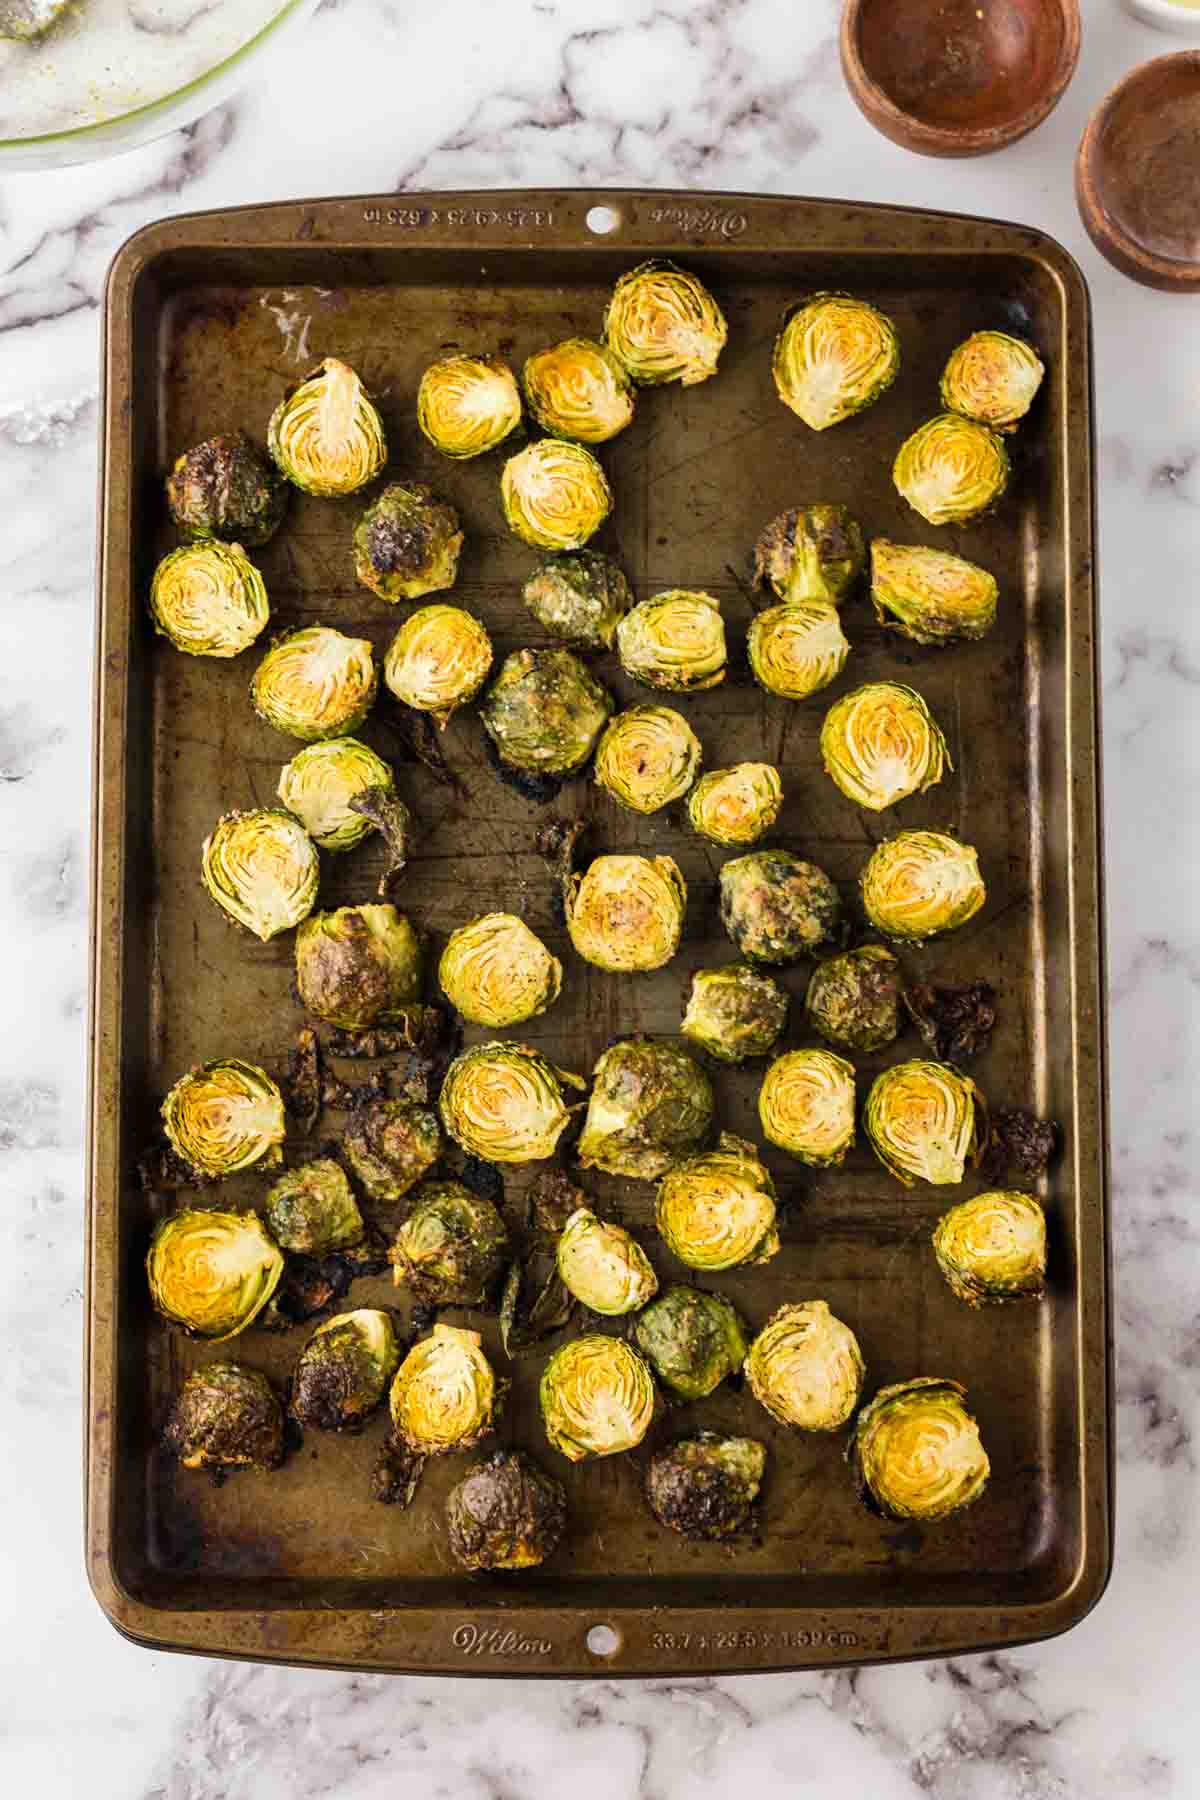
(312, 1209)
(578, 389)
(226, 1417)
(226, 488)
(466, 405)
(951, 470)
(692, 1340)
(390, 1145)
(992, 1248)
(407, 543)
(545, 711)
(344, 1370)
(705, 1486)
(358, 966)
(505, 1513)
(916, 1452)
(650, 1105)
(811, 553)
(854, 999)
(993, 378)
(777, 908)
(625, 913)
(834, 356)
(662, 324)
(735, 1013)
(580, 596)
(806, 1368)
(212, 1272)
(445, 1395)
(451, 1248)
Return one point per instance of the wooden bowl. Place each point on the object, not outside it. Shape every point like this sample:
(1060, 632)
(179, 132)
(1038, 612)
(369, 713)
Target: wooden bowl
(958, 77)
(1137, 175)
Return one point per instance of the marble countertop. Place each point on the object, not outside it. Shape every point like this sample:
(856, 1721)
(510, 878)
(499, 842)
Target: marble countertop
(738, 94)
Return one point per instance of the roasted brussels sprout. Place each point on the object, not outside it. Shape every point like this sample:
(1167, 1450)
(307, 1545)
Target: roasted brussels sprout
(316, 683)
(226, 1417)
(578, 389)
(226, 488)
(993, 378)
(495, 971)
(692, 1340)
(262, 870)
(705, 1486)
(916, 1451)
(625, 913)
(951, 470)
(993, 1248)
(358, 966)
(777, 908)
(581, 597)
(225, 1116)
(797, 648)
(717, 1210)
(451, 1248)
(505, 1514)
(603, 1266)
(736, 806)
(555, 495)
(806, 1368)
(854, 999)
(209, 599)
(834, 357)
(926, 1121)
(664, 325)
(467, 405)
(920, 883)
(344, 1370)
(445, 1395)
(597, 1397)
(674, 640)
(390, 1145)
(735, 1013)
(438, 660)
(24, 20)
(325, 435)
(881, 743)
(407, 543)
(212, 1272)
(544, 711)
(505, 1103)
(320, 782)
(931, 596)
(650, 1105)
(312, 1209)
(811, 553)
(806, 1106)
(647, 758)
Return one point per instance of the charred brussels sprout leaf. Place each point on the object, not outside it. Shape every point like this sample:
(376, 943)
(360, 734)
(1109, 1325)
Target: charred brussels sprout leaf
(692, 1340)
(834, 357)
(407, 543)
(209, 599)
(580, 597)
(505, 1103)
(390, 1145)
(445, 1395)
(736, 806)
(705, 1486)
(806, 1368)
(811, 553)
(438, 660)
(224, 1117)
(735, 1013)
(926, 1122)
(262, 870)
(993, 1248)
(806, 1106)
(625, 913)
(675, 641)
(344, 1370)
(931, 596)
(396, 1474)
(505, 1514)
(955, 1022)
(212, 1272)
(797, 648)
(544, 712)
(916, 1452)
(316, 683)
(312, 1209)
(451, 1248)
(664, 325)
(1022, 1144)
(579, 390)
(467, 405)
(993, 378)
(495, 971)
(555, 495)
(647, 758)
(921, 883)
(603, 1266)
(597, 1398)
(717, 1210)
(326, 436)
(881, 743)
(526, 1317)
(650, 1105)
(777, 908)
(226, 1417)
(226, 488)
(320, 784)
(951, 470)
(358, 966)
(383, 808)
(854, 999)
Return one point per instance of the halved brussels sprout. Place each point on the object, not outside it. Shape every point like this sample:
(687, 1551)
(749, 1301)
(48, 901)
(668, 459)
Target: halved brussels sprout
(467, 405)
(505, 1513)
(797, 648)
(692, 1340)
(226, 1417)
(806, 1106)
(325, 435)
(344, 1370)
(920, 883)
(705, 1486)
(916, 1451)
(736, 806)
(452, 1246)
(504, 1102)
(262, 870)
(495, 971)
(320, 782)
(445, 1395)
(597, 1397)
(225, 1116)
(993, 378)
(951, 470)
(931, 596)
(580, 596)
(664, 325)
(811, 553)
(555, 495)
(806, 1368)
(407, 543)
(316, 683)
(226, 488)
(993, 1248)
(212, 1272)
(625, 913)
(312, 1209)
(358, 965)
(578, 389)
(881, 743)
(651, 1104)
(603, 1266)
(544, 711)
(717, 1210)
(209, 599)
(926, 1121)
(390, 1145)
(674, 640)
(438, 660)
(854, 999)
(777, 908)
(735, 1013)
(834, 357)
(647, 758)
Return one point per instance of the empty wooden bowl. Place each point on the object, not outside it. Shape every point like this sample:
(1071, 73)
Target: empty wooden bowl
(958, 77)
(1137, 175)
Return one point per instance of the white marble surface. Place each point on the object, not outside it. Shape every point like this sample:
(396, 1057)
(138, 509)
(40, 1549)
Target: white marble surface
(717, 93)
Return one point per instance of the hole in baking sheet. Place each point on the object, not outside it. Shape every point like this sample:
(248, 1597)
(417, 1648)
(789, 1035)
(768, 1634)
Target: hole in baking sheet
(602, 1640)
(602, 220)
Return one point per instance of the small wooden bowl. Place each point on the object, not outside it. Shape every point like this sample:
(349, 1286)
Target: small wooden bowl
(1137, 174)
(958, 77)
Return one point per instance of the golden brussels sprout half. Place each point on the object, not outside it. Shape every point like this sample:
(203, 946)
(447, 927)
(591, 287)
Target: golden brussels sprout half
(806, 1106)
(951, 470)
(777, 908)
(504, 1102)
(916, 1452)
(262, 870)
(407, 543)
(736, 806)
(993, 378)
(544, 712)
(806, 1368)
(931, 596)
(505, 1514)
(735, 1013)
(581, 597)
(647, 758)
(212, 1272)
(226, 488)
(651, 1104)
(881, 743)
(495, 971)
(555, 495)
(445, 1395)
(704, 1486)
(451, 1248)
(921, 883)
(811, 553)
(993, 1248)
(625, 913)
(854, 999)
(209, 599)
(664, 325)
(578, 389)
(325, 435)
(834, 357)
(467, 405)
(675, 640)
(926, 1122)
(312, 1209)
(224, 1117)
(717, 1210)
(358, 965)
(603, 1266)
(319, 784)
(316, 683)
(344, 1370)
(438, 660)
(226, 1417)
(692, 1340)
(597, 1398)
(390, 1145)
(797, 648)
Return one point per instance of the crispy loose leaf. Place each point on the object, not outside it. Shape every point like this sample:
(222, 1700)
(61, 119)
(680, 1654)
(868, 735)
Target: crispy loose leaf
(161, 1171)
(955, 1022)
(1020, 1144)
(550, 1310)
(420, 1028)
(396, 1475)
(302, 1095)
(395, 824)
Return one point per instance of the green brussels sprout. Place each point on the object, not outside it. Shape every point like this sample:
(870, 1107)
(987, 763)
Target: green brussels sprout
(597, 1398)
(226, 488)
(811, 553)
(881, 743)
(504, 1102)
(926, 1121)
(451, 1248)
(625, 913)
(325, 435)
(445, 1395)
(316, 683)
(579, 390)
(777, 908)
(24, 20)
(993, 1248)
(663, 325)
(544, 712)
(651, 1104)
(505, 1514)
(212, 1272)
(467, 405)
(717, 1210)
(931, 596)
(921, 883)
(692, 1340)
(674, 640)
(495, 971)
(834, 357)
(736, 806)
(951, 470)
(407, 543)
(225, 1116)
(438, 660)
(806, 1106)
(209, 599)
(312, 1209)
(603, 1266)
(647, 758)
(806, 1368)
(262, 870)
(581, 597)
(226, 1416)
(344, 1370)
(797, 648)
(319, 784)
(854, 999)
(735, 1013)
(390, 1145)
(358, 966)
(916, 1452)
(555, 495)
(705, 1486)
(992, 378)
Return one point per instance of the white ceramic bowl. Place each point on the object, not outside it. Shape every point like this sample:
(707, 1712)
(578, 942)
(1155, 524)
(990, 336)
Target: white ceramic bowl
(1164, 15)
